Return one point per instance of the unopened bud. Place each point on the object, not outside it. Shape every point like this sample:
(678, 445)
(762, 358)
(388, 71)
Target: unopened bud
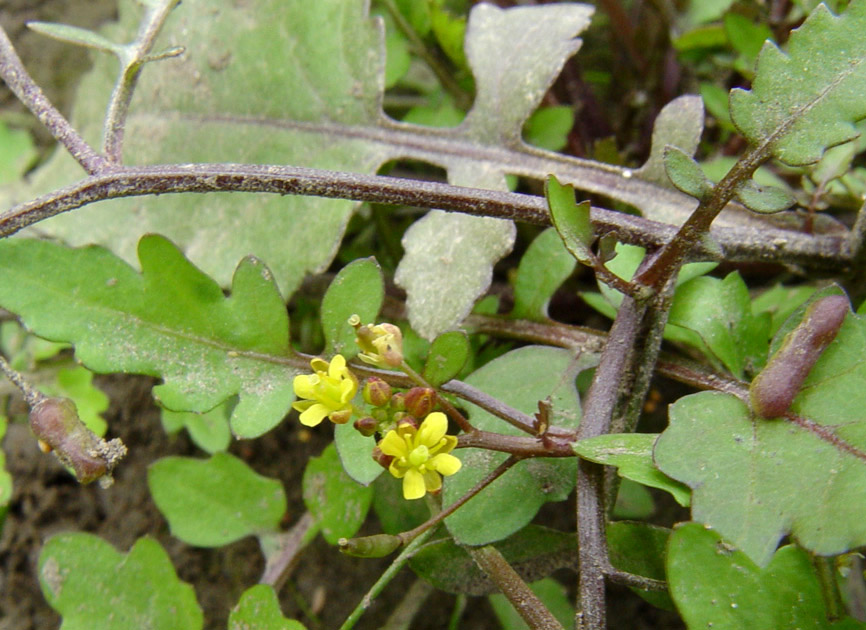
(380, 458)
(377, 392)
(375, 546)
(420, 401)
(398, 402)
(341, 417)
(366, 426)
(406, 422)
(381, 345)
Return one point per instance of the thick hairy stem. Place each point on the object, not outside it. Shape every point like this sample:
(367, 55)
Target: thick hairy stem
(22, 85)
(525, 602)
(824, 252)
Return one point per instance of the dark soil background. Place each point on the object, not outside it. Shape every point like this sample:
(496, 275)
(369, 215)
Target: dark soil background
(47, 500)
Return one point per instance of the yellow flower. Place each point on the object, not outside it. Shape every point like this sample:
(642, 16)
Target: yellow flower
(381, 345)
(421, 456)
(329, 392)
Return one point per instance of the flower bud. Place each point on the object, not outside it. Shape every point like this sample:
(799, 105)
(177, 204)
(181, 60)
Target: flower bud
(380, 458)
(420, 401)
(398, 402)
(375, 546)
(366, 426)
(341, 417)
(381, 345)
(377, 392)
(407, 422)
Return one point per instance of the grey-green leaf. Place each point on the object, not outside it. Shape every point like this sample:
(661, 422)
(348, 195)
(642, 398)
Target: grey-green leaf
(685, 173)
(213, 502)
(679, 124)
(92, 585)
(807, 99)
(75, 35)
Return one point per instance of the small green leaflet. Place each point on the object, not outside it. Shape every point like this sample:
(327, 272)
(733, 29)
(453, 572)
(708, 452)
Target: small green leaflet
(92, 585)
(358, 289)
(170, 320)
(447, 356)
(570, 219)
(259, 609)
(543, 268)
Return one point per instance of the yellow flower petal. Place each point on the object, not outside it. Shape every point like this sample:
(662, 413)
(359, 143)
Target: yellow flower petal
(413, 485)
(394, 445)
(432, 481)
(337, 366)
(433, 429)
(314, 415)
(304, 385)
(446, 464)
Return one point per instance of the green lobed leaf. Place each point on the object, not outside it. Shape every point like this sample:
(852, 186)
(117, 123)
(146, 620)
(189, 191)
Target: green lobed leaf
(543, 268)
(209, 430)
(631, 453)
(551, 593)
(806, 99)
(534, 552)
(520, 379)
(633, 501)
(570, 219)
(92, 585)
(337, 502)
(715, 585)
(685, 173)
(216, 501)
(639, 548)
(171, 320)
(259, 609)
(358, 289)
(679, 124)
(548, 127)
(755, 480)
(447, 356)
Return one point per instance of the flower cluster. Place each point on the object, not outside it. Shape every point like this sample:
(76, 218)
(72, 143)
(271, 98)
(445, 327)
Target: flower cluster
(420, 456)
(328, 391)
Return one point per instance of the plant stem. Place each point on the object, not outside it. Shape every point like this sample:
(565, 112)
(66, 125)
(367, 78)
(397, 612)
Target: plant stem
(450, 409)
(825, 567)
(412, 534)
(32, 396)
(822, 252)
(132, 60)
(389, 574)
(22, 85)
(278, 568)
(525, 602)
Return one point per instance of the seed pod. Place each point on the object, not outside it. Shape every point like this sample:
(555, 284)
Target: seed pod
(55, 422)
(375, 546)
(775, 388)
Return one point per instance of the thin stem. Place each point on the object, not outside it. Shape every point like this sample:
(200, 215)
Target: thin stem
(404, 613)
(740, 244)
(132, 61)
(389, 574)
(500, 470)
(498, 408)
(450, 409)
(545, 446)
(12, 71)
(857, 240)
(279, 568)
(457, 612)
(635, 581)
(32, 396)
(525, 602)
(826, 569)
